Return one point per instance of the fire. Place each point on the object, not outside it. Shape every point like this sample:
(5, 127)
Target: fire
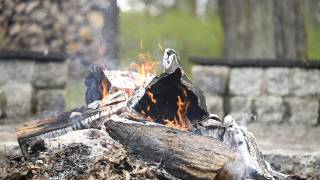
(105, 89)
(150, 95)
(146, 66)
(181, 121)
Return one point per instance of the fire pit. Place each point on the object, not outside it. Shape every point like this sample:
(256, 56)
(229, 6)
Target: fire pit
(161, 122)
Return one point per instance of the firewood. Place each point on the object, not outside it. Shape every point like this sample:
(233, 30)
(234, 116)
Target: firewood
(202, 147)
(181, 154)
(82, 118)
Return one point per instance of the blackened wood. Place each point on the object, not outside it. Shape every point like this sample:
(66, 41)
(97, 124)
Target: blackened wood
(93, 83)
(24, 55)
(263, 63)
(165, 89)
(181, 154)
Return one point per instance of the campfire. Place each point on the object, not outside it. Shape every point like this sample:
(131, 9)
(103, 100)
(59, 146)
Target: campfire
(161, 120)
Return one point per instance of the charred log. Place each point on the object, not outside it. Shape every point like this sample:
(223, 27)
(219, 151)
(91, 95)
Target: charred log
(93, 83)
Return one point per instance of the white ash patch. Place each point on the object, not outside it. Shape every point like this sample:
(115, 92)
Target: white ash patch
(98, 141)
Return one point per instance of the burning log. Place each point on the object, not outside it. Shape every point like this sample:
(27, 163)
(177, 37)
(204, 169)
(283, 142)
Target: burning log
(161, 119)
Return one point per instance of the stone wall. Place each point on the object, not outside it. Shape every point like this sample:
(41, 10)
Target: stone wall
(273, 95)
(86, 30)
(30, 87)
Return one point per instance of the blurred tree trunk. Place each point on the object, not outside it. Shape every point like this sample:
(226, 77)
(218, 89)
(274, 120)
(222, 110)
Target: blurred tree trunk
(313, 12)
(188, 6)
(110, 33)
(290, 29)
(212, 8)
(263, 29)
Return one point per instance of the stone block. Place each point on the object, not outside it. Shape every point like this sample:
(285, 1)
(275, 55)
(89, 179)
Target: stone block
(19, 71)
(240, 104)
(303, 110)
(211, 79)
(240, 109)
(277, 81)
(270, 109)
(49, 75)
(294, 162)
(50, 100)
(2, 103)
(305, 82)
(284, 162)
(246, 81)
(18, 100)
(215, 104)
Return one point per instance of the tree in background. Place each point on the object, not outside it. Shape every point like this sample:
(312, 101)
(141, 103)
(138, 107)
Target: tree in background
(188, 6)
(110, 33)
(263, 29)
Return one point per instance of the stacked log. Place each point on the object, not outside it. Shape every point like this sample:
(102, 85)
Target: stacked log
(75, 27)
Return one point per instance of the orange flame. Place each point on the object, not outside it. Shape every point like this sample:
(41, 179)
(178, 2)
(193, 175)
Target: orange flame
(146, 67)
(147, 64)
(181, 120)
(105, 89)
(150, 95)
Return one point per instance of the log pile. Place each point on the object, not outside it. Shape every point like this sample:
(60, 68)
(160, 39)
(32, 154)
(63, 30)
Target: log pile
(78, 28)
(159, 121)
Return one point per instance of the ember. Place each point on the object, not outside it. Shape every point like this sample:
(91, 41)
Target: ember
(105, 89)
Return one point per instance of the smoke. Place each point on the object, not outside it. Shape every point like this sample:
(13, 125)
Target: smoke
(97, 37)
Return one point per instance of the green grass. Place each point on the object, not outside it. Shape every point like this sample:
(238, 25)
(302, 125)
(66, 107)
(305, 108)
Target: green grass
(185, 33)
